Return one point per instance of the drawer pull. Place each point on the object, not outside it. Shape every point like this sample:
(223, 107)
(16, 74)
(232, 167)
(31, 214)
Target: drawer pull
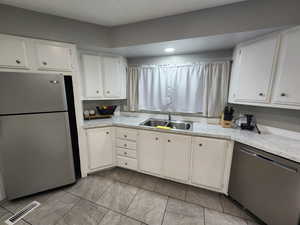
(169, 140)
(125, 145)
(125, 153)
(125, 136)
(107, 132)
(156, 138)
(45, 63)
(18, 61)
(200, 145)
(126, 164)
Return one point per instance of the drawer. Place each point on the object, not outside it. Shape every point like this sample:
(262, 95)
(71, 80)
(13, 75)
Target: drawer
(126, 153)
(127, 134)
(126, 144)
(127, 163)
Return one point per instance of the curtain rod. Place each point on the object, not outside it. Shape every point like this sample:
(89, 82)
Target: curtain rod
(179, 64)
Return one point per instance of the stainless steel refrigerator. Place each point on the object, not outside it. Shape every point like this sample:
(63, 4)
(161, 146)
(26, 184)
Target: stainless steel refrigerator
(36, 143)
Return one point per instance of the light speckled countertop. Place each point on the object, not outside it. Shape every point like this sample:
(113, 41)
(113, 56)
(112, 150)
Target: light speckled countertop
(283, 146)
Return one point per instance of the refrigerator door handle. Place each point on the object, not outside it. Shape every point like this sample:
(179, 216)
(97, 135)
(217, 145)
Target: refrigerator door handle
(54, 81)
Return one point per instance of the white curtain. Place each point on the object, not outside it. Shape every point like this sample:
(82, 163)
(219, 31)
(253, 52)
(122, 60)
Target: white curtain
(191, 88)
(132, 91)
(153, 89)
(216, 82)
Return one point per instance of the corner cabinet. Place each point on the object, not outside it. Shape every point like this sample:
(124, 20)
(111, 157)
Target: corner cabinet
(255, 69)
(265, 71)
(103, 77)
(100, 148)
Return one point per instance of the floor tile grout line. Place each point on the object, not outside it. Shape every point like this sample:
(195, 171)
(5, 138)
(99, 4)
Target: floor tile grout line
(165, 211)
(138, 190)
(154, 191)
(204, 216)
(69, 209)
(109, 209)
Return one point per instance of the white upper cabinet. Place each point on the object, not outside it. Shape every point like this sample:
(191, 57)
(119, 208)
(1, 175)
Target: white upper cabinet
(151, 150)
(103, 77)
(266, 71)
(211, 161)
(100, 147)
(114, 78)
(177, 157)
(255, 70)
(53, 58)
(92, 76)
(13, 52)
(287, 91)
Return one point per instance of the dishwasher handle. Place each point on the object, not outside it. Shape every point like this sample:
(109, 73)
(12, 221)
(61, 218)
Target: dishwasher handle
(267, 159)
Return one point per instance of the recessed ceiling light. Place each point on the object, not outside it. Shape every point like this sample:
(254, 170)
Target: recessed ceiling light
(169, 50)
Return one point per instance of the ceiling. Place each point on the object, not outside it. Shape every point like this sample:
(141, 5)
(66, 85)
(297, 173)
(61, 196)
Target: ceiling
(193, 45)
(115, 12)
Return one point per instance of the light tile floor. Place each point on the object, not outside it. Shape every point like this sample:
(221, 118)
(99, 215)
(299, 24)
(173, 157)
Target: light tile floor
(122, 197)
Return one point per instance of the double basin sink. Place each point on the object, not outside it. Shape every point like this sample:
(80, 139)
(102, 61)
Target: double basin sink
(179, 125)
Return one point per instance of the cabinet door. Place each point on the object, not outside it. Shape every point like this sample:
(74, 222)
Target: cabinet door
(150, 150)
(113, 78)
(287, 89)
(255, 70)
(13, 53)
(53, 58)
(177, 157)
(209, 158)
(100, 147)
(92, 76)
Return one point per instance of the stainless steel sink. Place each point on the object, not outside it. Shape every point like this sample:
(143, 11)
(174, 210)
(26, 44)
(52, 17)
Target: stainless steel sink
(179, 125)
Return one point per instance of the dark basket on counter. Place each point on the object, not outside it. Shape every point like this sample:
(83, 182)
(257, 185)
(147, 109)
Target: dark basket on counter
(109, 110)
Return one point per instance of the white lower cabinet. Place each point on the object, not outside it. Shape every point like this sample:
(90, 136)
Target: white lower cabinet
(100, 147)
(211, 162)
(176, 162)
(198, 161)
(150, 148)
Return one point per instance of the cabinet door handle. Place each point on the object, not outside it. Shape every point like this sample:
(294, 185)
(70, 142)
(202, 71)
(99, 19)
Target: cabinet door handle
(125, 136)
(125, 153)
(169, 140)
(107, 92)
(261, 94)
(125, 145)
(45, 63)
(156, 138)
(18, 61)
(126, 164)
(97, 92)
(107, 132)
(200, 145)
(283, 94)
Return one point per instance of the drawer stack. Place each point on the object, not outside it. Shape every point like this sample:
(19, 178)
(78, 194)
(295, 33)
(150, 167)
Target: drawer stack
(126, 148)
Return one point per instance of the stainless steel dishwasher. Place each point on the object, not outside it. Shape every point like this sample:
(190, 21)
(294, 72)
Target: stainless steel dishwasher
(266, 185)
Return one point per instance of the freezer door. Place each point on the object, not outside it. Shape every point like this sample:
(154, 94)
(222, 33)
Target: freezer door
(28, 93)
(36, 153)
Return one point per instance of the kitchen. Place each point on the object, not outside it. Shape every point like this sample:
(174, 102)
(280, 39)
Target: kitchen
(120, 113)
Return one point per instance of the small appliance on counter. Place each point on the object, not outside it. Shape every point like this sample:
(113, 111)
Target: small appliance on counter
(101, 112)
(227, 116)
(247, 122)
